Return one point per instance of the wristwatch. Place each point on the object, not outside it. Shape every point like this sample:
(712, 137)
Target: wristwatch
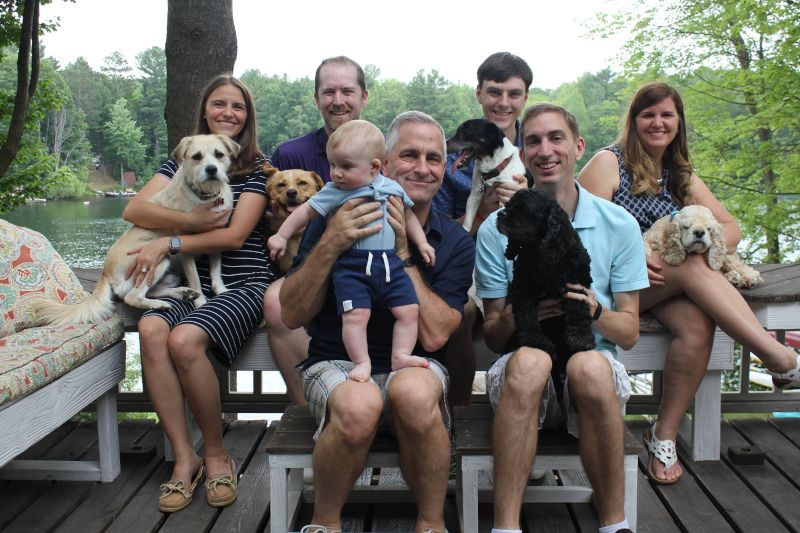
(174, 245)
(597, 311)
(408, 262)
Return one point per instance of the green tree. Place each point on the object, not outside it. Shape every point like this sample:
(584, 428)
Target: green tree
(737, 63)
(151, 102)
(124, 140)
(91, 94)
(387, 98)
(19, 24)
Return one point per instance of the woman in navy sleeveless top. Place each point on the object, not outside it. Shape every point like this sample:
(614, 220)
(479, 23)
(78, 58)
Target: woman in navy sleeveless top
(174, 342)
(649, 173)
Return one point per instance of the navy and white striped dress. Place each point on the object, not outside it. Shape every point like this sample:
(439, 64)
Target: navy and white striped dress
(645, 208)
(230, 317)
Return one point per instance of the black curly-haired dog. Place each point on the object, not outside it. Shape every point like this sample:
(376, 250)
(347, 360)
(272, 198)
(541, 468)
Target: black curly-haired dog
(547, 254)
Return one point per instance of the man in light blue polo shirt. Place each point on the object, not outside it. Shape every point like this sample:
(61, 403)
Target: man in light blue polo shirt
(597, 387)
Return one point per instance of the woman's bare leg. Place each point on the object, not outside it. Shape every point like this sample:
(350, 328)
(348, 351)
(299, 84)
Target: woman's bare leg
(686, 362)
(720, 300)
(164, 389)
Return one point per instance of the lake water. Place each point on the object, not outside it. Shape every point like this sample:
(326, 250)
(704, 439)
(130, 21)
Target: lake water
(82, 233)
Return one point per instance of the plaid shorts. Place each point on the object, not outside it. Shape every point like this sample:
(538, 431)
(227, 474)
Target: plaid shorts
(551, 413)
(321, 378)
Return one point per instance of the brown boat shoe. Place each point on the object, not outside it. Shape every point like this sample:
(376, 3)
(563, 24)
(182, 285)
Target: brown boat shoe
(175, 495)
(221, 489)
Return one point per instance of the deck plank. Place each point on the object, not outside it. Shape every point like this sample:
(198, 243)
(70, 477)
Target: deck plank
(107, 499)
(240, 441)
(54, 504)
(249, 513)
(686, 499)
(766, 482)
(782, 452)
(733, 496)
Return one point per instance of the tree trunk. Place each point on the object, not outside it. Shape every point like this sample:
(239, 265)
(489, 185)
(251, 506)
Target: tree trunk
(27, 79)
(201, 44)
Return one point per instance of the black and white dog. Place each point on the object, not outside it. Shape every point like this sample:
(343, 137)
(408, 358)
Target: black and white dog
(496, 159)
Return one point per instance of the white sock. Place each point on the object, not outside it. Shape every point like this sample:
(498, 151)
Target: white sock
(495, 530)
(615, 527)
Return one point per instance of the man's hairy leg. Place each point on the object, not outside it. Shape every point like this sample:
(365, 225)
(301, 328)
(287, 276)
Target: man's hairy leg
(591, 387)
(415, 397)
(340, 453)
(516, 431)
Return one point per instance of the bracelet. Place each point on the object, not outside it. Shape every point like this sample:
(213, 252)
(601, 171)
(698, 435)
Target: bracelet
(597, 311)
(479, 217)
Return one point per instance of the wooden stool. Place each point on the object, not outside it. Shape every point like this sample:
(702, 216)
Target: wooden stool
(556, 450)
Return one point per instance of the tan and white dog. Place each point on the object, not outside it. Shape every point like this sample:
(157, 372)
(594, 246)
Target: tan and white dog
(288, 190)
(201, 178)
(694, 229)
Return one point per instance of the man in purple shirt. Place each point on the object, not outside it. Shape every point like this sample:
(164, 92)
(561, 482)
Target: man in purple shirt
(340, 93)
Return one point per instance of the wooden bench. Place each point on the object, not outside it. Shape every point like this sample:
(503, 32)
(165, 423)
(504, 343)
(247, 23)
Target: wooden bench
(556, 450)
(700, 434)
(290, 451)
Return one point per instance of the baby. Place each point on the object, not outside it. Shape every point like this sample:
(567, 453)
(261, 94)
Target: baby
(371, 267)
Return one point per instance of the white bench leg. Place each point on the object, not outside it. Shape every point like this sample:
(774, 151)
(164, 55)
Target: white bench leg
(279, 519)
(702, 434)
(108, 435)
(468, 497)
(631, 480)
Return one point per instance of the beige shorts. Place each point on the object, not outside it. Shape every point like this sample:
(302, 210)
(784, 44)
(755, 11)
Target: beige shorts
(551, 413)
(321, 378)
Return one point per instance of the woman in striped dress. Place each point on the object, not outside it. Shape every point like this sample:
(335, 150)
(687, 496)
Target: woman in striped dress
(174, 342)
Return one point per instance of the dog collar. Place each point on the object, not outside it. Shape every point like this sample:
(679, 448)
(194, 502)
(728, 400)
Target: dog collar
(672, 215)
(497, 170)
(200, 194)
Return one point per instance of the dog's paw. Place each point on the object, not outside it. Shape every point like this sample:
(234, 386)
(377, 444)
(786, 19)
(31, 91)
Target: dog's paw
(189, 295)
(218, 288)
(156, 304)
(200, 301)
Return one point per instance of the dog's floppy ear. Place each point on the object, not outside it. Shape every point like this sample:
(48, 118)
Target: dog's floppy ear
(180, 151)
(230, 145)
(673, 253)
(557, 236)
(318, 181)
(271, 171)
(715, 255)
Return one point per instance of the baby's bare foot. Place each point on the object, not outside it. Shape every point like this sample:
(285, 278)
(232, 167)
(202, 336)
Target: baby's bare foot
(405, 360)
(361, 372)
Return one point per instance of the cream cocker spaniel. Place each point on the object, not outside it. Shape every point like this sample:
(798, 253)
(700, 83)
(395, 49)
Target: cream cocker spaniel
(694, 229)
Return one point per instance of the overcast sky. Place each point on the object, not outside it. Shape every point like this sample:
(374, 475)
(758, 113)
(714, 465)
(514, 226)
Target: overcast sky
(400, 37)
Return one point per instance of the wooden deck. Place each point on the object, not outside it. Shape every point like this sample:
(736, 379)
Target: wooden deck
(712, 496)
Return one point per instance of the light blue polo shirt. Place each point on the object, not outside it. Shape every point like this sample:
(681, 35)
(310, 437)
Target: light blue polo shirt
(608, 232)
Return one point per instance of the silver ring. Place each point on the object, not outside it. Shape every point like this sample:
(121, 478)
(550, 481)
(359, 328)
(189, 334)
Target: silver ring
(145, 269)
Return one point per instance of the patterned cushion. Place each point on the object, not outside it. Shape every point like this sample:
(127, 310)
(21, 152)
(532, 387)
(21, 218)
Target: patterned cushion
(30, 268)
(37, 356)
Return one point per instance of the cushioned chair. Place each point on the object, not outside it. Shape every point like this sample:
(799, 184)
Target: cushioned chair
(49, 374)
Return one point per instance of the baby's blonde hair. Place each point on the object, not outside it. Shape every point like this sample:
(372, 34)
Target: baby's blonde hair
(360, 137)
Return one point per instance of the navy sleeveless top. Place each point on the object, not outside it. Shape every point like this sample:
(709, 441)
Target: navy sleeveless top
(645, 208)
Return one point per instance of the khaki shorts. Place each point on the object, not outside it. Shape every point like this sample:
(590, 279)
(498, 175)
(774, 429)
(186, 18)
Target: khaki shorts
(321, 378)
(551, 413)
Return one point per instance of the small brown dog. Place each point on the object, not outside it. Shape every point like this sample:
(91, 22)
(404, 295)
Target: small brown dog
(287, 190)
(694, 229)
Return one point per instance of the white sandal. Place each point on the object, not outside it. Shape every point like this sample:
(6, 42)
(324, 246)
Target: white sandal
(663, 450)
(792, 377)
